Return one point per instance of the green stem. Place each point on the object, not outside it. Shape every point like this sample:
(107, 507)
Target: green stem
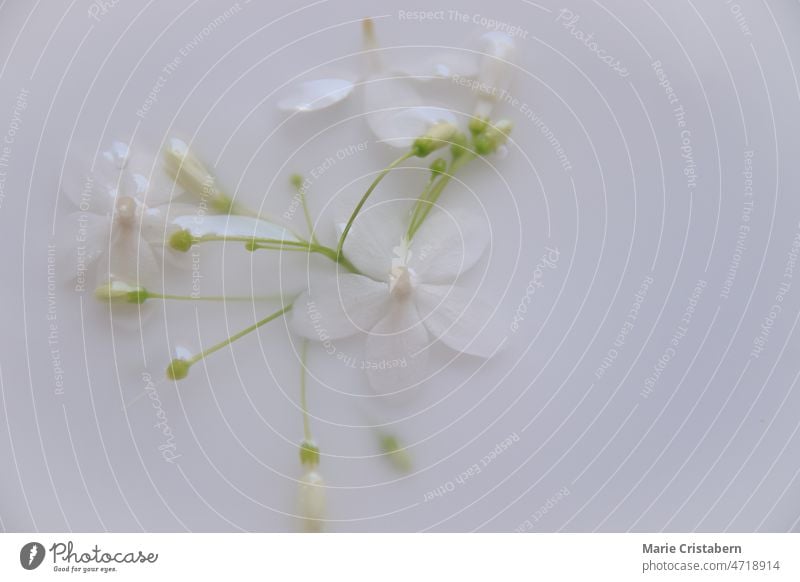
(425, 205)
(216, 347)
(168, 296)
(381, 175)
(282, 245)
(303, 397)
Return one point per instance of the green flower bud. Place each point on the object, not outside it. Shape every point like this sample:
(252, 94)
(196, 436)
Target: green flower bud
(439, 166)
(491, 139)
(309, 454)
(178, 369)
(477, 125)
(483, 144)
(460, 145)
(296, 181)
(437, 137)
(397, 455)
(181, 240)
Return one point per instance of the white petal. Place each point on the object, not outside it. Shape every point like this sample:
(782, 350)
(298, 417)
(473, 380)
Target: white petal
(315, 95)
(496, 68)
(396, 113)
(82, 239)
(130, 259)
(375, 233)
(335, 307)
(153, 185)
(458, 318)
(445, 65)
(233, 226)
(396, 353)
(85, 189)
(449, 242)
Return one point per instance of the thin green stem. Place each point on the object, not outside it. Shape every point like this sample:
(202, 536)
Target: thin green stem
(216, 347)
(381, 175)
(303, 391)
(301, 191)
(169, 296)
(282, 245)
(433, 195)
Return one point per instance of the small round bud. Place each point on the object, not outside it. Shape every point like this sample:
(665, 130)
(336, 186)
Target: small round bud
(477, 125)
(309, 454)
(181, 240)
(439, 166)
(296, 181)
(178, 369)
(251, 245)
(483, 144)
(437, 137)
(222, 203)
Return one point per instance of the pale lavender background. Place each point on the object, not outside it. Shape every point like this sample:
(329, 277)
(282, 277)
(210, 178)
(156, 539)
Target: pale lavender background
(715, 447)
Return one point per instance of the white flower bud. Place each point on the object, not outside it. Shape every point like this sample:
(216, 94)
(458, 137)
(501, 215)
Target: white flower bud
(496, 70)
(191, 174)
(311, 501)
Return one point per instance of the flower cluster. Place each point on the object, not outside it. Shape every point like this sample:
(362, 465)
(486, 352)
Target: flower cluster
(395, 269)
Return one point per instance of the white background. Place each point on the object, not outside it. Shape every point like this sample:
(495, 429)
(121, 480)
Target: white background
(714, 447)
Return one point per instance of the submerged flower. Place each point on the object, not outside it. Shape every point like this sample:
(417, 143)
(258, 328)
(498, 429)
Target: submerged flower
(396, 111)
(311, 501)
(405, 296)
(123, 211)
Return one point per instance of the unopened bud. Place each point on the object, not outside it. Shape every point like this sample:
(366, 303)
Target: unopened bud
(178, 369)
(181, 240)
(437, 137)
(311, 501)
(309, 454)
(439, 166)
(120, 292)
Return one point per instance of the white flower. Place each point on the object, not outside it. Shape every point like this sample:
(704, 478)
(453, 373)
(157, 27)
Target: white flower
(123, 205)
(395, 110)
(406, 295)
(311, 501)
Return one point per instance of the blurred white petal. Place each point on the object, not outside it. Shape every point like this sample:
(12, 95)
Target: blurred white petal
(444, 65)
(130, 259)
(82, 239)
(396, 354)
(315, 95)
(450, 241)
(457, 317)
(335, 307)
(375, 232)
(397, 114)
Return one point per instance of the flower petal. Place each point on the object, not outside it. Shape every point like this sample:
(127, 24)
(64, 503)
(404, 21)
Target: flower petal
(315, 95)
(83, 238)
(233, 226)
(148, 181)
(130, 259)
(496, 70)
(336, 307)
(458, 318)
(396, 113)
(396, 352)
(449, 242)
(444, 65)
(375, 233)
